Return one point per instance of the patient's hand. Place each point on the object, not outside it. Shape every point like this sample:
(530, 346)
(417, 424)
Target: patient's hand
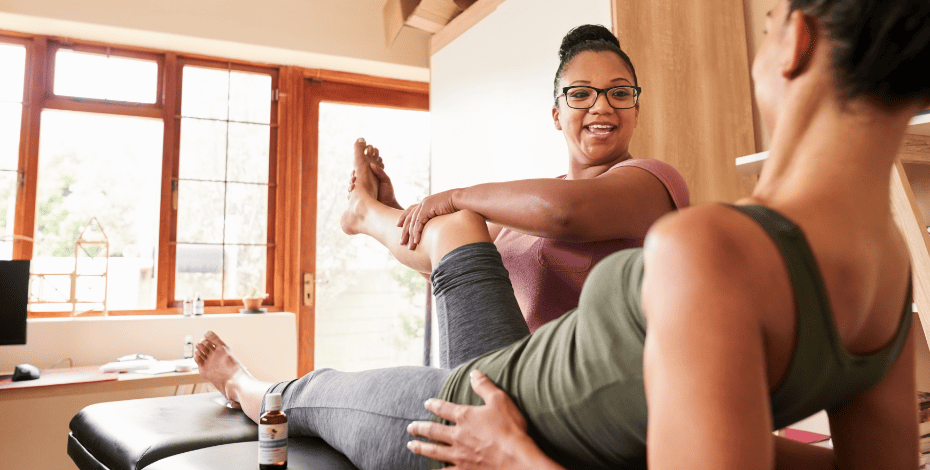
(492, 436)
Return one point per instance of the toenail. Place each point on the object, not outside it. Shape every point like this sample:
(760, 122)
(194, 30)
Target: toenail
(361, 140)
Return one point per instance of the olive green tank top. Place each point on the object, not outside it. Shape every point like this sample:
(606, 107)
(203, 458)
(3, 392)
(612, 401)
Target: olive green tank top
(579, 379)
(822, 373)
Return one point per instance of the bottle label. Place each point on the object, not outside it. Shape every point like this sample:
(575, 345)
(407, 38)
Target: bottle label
(272, 443)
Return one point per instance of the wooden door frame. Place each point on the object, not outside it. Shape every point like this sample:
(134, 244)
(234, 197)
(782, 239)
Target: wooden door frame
(321, 86)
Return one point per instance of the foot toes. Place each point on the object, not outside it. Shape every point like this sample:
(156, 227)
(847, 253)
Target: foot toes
(213, 338)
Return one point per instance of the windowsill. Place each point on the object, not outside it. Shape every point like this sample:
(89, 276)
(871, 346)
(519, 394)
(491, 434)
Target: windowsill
(136, 313)
(142, 316)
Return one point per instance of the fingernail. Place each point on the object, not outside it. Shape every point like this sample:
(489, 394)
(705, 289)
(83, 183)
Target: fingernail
(473, 374)
(208, 333)
(410, 427)
(361, 140)
(410, 444)
(428, 402)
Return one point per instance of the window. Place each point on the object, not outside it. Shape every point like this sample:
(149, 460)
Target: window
(370, 308)
(105, 77)
(12, 84)
(97, 167)
(224, 244)
(164, 164)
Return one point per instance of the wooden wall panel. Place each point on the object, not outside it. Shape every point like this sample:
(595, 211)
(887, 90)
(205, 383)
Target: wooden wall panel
(696, 110)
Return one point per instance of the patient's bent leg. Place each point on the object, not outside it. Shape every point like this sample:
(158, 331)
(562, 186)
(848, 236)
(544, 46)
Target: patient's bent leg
(475, 304)
(365, 215)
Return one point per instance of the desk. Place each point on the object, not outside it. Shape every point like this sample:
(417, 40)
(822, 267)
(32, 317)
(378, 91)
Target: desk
(55, 382)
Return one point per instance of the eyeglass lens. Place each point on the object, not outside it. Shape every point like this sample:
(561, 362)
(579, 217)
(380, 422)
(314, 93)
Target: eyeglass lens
(585, 97)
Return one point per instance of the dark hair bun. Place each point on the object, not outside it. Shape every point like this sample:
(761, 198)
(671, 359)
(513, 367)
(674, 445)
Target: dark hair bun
(881, 48)
(584, 33)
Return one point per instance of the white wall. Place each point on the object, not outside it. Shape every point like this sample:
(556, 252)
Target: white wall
(225, 48)
(340, 28)
(34, 432)
(98, 340)
(491, 93)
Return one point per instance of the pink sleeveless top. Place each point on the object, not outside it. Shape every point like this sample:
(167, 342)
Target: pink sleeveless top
(547, 274)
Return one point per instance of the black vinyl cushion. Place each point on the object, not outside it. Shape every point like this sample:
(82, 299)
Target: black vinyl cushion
(81, 457)
(303, 453)
(182, 432)
(130, 434)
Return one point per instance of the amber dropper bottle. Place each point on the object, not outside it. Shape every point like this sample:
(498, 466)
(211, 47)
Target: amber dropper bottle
(272, 435)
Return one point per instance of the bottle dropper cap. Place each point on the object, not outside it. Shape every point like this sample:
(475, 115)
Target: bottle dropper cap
(272, 401)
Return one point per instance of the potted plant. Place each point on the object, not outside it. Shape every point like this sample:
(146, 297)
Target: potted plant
(253, 299)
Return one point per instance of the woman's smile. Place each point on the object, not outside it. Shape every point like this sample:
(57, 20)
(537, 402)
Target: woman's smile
(600, 130)
(599, 135)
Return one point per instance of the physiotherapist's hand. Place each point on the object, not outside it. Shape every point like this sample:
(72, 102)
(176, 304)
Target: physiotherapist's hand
(486, 437)
(416, 216)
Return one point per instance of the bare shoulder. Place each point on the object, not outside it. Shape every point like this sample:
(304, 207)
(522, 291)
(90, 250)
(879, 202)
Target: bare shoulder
(708, 231)
(710, 254)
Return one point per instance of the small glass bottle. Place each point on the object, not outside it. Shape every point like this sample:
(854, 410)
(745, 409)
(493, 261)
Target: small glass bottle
(198, 305)
(272, 435)
(188, 347)
(188, 307)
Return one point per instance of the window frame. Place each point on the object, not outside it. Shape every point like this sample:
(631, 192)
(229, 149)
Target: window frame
(39, 95)
(292, 213)
(103, 106)
(24, 41)
(175, 158)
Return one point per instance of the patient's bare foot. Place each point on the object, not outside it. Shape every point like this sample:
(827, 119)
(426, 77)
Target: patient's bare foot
(365, 191)
(219, 366)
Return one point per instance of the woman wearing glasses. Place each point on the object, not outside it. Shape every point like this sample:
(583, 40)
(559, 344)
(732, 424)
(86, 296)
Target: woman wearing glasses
(551, 232)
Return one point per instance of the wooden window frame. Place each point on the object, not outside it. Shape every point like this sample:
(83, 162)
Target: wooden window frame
(103, 106)
(39, 95)
(332, 87)
(27, 43)
(290, 213)
(175, 155)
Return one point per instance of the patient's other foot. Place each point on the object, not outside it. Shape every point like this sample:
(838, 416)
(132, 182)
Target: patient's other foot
(365, 191)
(219, 367)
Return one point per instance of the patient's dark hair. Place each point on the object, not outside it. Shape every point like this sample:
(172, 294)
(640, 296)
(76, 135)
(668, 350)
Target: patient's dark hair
(588, 37)
(881, 48)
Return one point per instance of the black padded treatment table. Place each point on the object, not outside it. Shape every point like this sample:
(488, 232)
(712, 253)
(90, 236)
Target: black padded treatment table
(181, 433)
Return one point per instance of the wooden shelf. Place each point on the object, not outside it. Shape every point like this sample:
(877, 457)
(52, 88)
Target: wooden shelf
(751, 164)
(920, 125)
(916, 149)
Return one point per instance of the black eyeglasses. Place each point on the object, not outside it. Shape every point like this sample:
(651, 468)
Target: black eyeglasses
(584, 97)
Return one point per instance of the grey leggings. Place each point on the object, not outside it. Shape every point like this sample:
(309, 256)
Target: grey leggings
(364, 415)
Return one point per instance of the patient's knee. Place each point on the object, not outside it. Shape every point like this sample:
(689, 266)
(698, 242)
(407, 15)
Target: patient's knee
(458, 228)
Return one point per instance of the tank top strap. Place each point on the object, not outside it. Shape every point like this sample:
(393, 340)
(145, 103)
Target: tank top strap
(819, 356)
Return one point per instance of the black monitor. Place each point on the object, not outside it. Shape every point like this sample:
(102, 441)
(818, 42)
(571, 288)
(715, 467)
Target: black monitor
(14, 295)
